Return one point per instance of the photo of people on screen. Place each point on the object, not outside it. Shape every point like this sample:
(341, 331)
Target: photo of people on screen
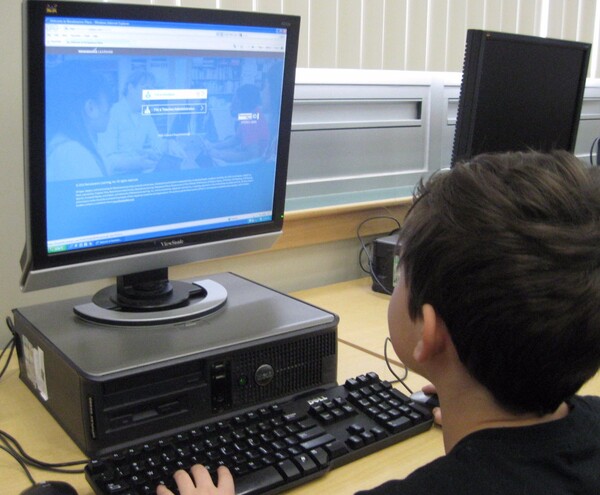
(193, 126)
(251, 133)
(131, 142)
(142, 115)
(77, 111)
(252, 120)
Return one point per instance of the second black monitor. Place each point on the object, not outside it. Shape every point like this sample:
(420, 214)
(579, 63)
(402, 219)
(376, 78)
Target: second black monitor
(519, 92)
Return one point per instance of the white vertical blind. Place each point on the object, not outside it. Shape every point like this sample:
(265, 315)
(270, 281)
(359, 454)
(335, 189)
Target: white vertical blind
(416, 34)
(393, 48)
(348, 18)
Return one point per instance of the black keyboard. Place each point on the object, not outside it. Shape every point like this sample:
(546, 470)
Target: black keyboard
(273, 447)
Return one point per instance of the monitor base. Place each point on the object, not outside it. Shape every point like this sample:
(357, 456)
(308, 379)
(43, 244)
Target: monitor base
(101, 310)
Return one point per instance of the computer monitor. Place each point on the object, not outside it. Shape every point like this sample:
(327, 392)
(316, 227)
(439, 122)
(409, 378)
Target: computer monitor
(154, 136)
(519, 92)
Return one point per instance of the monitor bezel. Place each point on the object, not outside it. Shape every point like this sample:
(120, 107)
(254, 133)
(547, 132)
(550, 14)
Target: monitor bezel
(43, 270)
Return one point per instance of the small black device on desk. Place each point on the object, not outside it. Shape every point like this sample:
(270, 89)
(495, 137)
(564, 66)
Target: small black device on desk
(384, 264)
(50, 488)
(273, 447)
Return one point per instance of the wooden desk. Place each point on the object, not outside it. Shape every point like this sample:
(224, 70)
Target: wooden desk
(363, 312)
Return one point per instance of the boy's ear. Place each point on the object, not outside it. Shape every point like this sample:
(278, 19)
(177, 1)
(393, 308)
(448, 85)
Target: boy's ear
(434, 335)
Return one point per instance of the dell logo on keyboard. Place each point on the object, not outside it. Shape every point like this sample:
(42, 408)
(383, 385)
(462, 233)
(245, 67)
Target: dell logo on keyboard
(316, 400)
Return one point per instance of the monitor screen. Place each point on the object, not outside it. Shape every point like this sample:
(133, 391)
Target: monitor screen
(519, 92)
(154, 136)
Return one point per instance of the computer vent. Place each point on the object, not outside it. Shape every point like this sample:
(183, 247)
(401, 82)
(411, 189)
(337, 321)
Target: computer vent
(297, 365)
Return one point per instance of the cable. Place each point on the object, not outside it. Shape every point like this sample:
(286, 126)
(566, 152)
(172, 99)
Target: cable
(15, 449)
(11, 344)
(592, 153)
(387, 362)
(20, 461)
(365, 248)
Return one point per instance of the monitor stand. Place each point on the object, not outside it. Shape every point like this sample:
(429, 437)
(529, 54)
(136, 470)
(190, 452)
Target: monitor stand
(150, 298)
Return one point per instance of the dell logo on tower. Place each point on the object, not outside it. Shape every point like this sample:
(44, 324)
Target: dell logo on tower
(264, 374)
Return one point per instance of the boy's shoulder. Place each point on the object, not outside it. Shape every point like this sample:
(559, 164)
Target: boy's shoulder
(534, 460)
(589, 402)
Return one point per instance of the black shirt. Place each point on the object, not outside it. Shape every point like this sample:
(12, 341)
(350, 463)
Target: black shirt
(558, 457)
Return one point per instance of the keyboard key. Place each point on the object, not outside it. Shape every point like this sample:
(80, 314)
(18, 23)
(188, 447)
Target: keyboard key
(320, 457)
(289, 470)
(373, 376)
(305, 463)
(336, 449)
(307, 423)
(318, 441)
(379, 432)
(116, 487)
(355, 442)
(399, 424)
(355, 429)
(258, 481)
(352, 384)
(363, 380)
(312, 433)
(367, 437)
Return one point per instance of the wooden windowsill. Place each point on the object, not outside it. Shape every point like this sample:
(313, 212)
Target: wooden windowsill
(336, 223)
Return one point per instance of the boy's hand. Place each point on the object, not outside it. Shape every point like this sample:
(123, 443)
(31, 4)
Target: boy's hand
(436, 411)
(200, 482)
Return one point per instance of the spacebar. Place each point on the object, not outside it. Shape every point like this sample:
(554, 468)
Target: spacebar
(258, 481)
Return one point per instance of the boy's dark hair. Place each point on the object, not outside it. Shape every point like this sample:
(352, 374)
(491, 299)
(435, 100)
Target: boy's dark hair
(506, 248)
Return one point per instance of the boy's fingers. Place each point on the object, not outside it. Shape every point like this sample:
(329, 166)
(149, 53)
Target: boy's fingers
(202, 477)
(225, 480)
(437, 416)
(429, 388)
(183, 480)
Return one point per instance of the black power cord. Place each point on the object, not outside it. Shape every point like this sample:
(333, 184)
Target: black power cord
(399, 379)
(15, 449)
(20, 461)
(9, 347)
(596, 141)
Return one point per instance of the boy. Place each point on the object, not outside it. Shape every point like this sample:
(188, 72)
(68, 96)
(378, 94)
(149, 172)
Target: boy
(498, 305)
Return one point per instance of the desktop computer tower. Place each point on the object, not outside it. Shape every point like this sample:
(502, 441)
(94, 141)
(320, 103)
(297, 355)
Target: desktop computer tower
(111, 387)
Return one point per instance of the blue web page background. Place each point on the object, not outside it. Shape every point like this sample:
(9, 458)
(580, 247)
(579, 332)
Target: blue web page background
(66, 219)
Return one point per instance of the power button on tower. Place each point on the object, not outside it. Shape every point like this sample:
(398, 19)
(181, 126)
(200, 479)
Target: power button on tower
(264, 374)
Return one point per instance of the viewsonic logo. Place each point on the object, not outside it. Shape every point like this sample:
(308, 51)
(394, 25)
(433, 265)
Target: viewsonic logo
(51, 8)
(174, 243)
